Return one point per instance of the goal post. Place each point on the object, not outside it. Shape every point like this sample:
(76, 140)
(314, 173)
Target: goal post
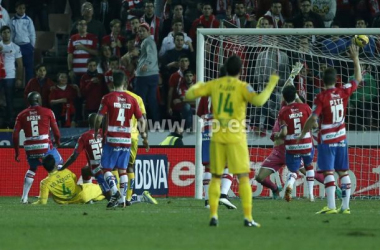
(263, 50)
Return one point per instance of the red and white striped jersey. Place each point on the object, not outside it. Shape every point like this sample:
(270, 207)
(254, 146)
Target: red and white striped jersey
(205, 111)
(330, 105)
(294, 117)
(80, 57)
(92, 147)
(36, 122)
(119, 107)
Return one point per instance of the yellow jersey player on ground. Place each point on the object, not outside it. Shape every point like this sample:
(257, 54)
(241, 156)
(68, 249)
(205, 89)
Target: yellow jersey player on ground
(63, 186)
(229, 97)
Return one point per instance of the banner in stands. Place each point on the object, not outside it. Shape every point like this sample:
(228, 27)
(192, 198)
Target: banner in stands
(171, 172)
(6, 137)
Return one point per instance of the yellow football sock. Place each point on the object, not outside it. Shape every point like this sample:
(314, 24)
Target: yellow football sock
(245, 193)
(131, 185)
(213, 195)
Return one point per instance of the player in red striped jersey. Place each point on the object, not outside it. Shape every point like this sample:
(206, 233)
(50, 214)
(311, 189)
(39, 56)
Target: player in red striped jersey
(330, 106)
(119, 107)
(93, 149)
(292, 119)
(36, 122)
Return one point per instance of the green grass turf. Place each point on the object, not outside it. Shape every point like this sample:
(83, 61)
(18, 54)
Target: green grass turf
(183, 224)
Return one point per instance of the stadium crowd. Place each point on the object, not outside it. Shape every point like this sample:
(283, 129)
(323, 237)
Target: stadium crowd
(154, 43)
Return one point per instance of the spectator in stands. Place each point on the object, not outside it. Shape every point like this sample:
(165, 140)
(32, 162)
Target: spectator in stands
(93, 26)
(308, 14)
(40, 84)
(262, 6)
(193, 9)
(344, 13)
(318, 78)
(288, 24)
(222, 8)
(62, 101)
(207, 20)
(4, 17)
(186, 108)
(241, 19)
(81, 47)
(130, 60)
(152, 20)
(105, 11)
(92, 87)
(147, 76)
(362, 99)
(175, 80)
(168, 42)
(24, 35)
(326, 9)
(114, 65)
(39, 8)
(134, 24)
(274, 14)
(263, 23)
(335, 44)
(105, 55)
(131, 8)
(177, 14)
(174, 139)
(115, 40)
(10, 76)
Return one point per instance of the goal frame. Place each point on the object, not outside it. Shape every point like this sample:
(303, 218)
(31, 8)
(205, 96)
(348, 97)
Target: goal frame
(202, 32)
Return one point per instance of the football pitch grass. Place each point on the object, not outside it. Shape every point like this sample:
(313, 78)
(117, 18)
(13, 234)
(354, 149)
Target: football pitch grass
(183, 224)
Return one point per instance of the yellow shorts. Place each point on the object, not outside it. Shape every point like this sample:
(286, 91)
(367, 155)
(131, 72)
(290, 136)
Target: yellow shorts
(234, 155)
(134, 147)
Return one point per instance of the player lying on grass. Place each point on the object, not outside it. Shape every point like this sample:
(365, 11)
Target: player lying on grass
(229, 141)
(63, 186)
(205, 112)
(292, 119)
(36, 121)
(93, 150)
(330, 107)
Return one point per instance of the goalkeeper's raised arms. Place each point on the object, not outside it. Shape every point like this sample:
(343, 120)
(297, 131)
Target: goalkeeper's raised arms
(296, 69)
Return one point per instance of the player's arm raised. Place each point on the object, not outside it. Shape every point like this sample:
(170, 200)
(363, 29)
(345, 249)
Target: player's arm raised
(262, 98)
(197, 90)
(354, 54)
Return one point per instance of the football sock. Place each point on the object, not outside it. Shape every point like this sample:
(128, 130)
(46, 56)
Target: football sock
(319, 177)
(102, 183)
(226, 181)
(330, 190)
(310, 179)
(291, 179)
(131, 177)
(269, 184)
(123, 186)
(345, 185)
(245, 192)
(214, 193)
(206, 183)
(110, 179)
(28, 181)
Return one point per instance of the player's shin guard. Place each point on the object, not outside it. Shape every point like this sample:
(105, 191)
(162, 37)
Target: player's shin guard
(131, 178)
(226, 182)
(28, 181)
(245, 192)
(345, 185)
(102, 182)
(330, 190)
(214, 193)
(123, 186)
(310, 179)
(206, 182)
(110, 179)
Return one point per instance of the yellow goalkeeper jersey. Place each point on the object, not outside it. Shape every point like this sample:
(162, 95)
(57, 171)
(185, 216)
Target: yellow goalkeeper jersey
(229, 97)
(62, 185)
(134, 130)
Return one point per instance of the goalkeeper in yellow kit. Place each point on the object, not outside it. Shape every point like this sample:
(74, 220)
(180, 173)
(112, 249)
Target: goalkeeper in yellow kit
(229, 97)
(63, 186)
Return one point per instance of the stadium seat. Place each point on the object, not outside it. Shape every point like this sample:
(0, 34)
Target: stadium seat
(60, 23)
(45, 40)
